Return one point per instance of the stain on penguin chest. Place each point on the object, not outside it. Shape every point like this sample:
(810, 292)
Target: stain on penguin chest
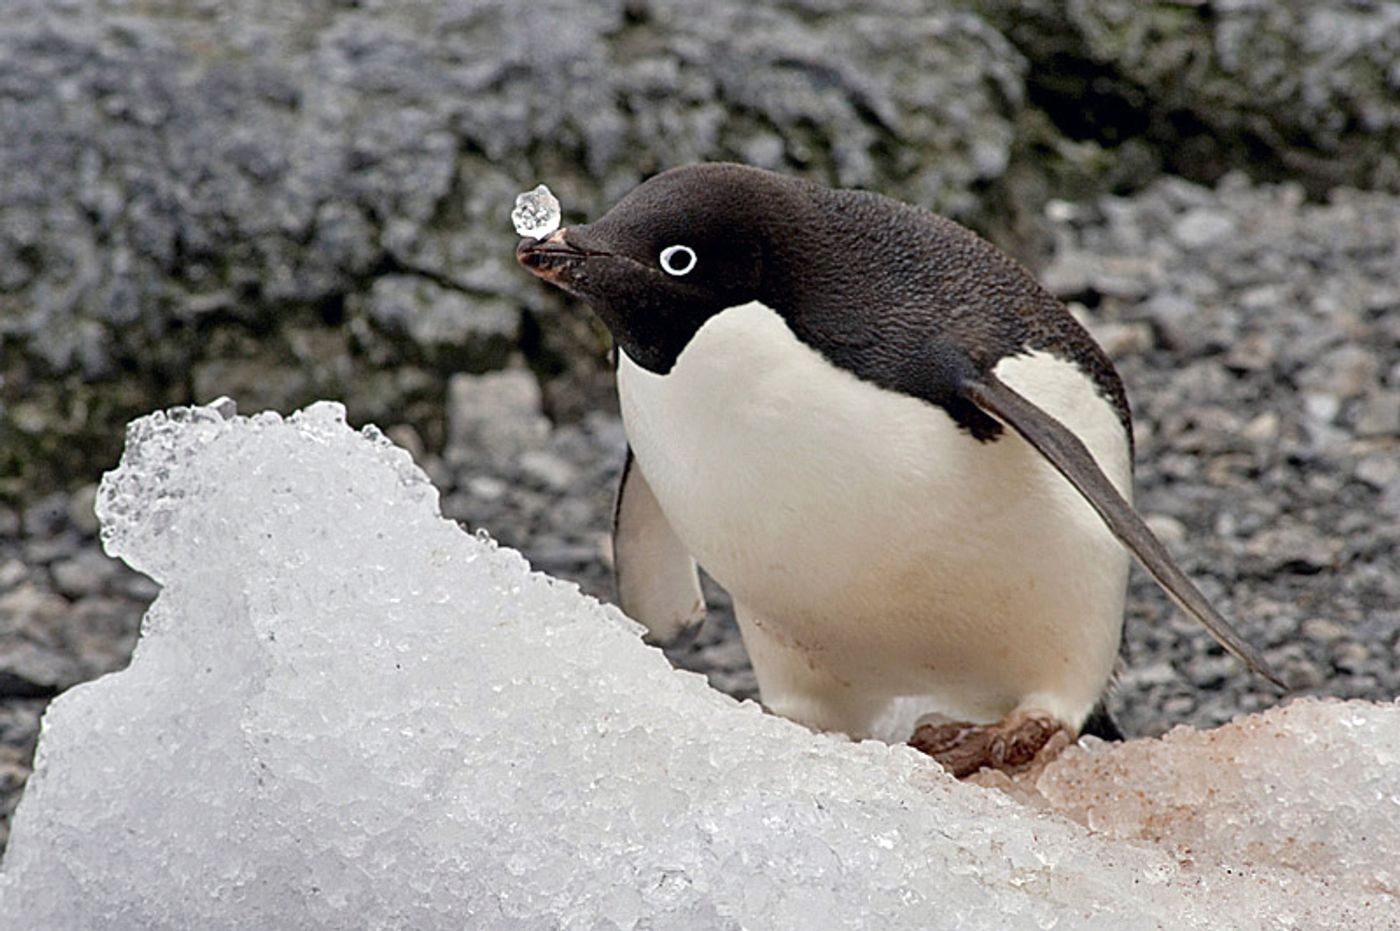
(802, 488)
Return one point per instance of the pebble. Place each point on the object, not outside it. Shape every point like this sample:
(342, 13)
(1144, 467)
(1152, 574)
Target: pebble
(82, 510)
(1322, 408)
(1122, 339)
(1389, 503)
(406, 436)
(47, 516)
(1379, 415)
(547, 469)
(494, 417)
(1206, 671)
(12, 572)
(1203, 226)
(1153, 674)
(85, 573)
(1344, 372)
(486, 487)
(1255, 353)
(1166, 528)
(1379, 469)
(1323, 630)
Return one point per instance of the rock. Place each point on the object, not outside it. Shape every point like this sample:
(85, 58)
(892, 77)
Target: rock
(547, 469)
(1379, 470)
(1203, 227)
(487, 488)
(19, 723)
(1174, 316)
(1167, 528)
(1208, 672)
(1122, 339)
(1284, 89)
(1379, 414)
(85, 573)
(495, 416)
(1276, 346)
(12, 572)
(1323, 630)
(1255, 353)
(1293, 547)
(302, 201)
(1343, 373)
(33, 661)
(138, 587)
(404, 435)
(101, 633)
(1155, 674)
(80, 513)
(46, 516)
(449, 328)
(1322, 408)
(1389, 503)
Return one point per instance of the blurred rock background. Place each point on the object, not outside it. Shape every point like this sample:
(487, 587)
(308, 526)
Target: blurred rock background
(283, 202)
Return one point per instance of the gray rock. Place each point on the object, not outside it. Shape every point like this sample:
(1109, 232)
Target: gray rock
(549, 470)
(47, 516)
(1323, 630)
(1379, 414)
(33, 661)
(81, 513)
(494, 418)
(1379, 470)
(1389, 503)
(449, 328)
(1203, 227)
(1283, 89)
(1166, 528)
(1343, 373)
(86, 573)
(12, 572)
(310, 200)
(1253, 415)
(1155, 674)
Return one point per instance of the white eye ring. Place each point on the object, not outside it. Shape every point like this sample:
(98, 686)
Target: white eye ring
(677, 260)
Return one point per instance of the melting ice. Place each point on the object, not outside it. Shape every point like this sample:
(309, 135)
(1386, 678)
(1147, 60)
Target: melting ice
(346, 712)
(536, 213)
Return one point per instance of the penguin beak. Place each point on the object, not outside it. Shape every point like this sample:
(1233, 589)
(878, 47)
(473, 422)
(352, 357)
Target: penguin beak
(554, 258)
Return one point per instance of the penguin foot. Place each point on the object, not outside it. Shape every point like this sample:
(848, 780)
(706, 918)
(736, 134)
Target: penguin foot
(1022, 741)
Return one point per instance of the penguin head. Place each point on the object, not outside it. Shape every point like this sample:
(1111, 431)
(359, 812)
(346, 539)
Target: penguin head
(677, 250)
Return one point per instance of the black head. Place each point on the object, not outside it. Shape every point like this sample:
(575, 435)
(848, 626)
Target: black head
(674, 252)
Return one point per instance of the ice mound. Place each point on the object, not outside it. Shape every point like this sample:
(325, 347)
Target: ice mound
(345, 712)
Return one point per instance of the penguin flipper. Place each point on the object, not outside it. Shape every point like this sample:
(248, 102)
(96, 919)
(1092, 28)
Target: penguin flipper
(657, 580)
(1073, 460)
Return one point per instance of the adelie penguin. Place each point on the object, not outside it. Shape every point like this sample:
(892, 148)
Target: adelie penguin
(906, 462)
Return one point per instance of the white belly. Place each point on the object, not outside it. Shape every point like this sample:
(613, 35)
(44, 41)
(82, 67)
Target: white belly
(873, 549)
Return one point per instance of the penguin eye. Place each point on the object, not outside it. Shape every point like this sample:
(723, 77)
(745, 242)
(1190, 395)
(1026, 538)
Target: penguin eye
(677, 260)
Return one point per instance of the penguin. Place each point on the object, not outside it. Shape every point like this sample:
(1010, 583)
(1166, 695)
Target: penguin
(906, 462)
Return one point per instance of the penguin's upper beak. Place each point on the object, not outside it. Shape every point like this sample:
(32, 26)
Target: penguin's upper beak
(553, 258)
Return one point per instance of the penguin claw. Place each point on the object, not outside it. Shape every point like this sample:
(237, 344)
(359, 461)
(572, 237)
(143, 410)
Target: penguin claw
(1016, 744)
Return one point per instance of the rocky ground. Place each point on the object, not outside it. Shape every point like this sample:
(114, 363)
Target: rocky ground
(1259, 337)
(281, 202)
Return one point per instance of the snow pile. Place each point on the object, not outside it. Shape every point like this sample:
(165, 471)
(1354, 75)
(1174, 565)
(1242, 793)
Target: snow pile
(344, 712)
(1313, 788)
